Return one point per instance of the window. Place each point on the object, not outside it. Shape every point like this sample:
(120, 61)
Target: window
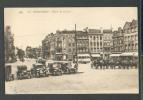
(94, 37)
(101, 43)
(97, 43)
(91, 43)
(128, 38)
(100, 37)
(94, 43)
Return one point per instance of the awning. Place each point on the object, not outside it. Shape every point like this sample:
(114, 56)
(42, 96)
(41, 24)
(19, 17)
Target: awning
(115, 55)
(83, 54)
(129, 54)
(59, 53)
(95, 55)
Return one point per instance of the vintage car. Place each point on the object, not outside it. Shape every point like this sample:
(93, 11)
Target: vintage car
(41, 60)
(69, 67)
(8, 73)
(22, 72)
(39, 70)
(54, 68)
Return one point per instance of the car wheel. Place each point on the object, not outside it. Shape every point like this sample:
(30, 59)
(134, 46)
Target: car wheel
(38, 75)
(59, 73)
(46, 74)
(29, 76)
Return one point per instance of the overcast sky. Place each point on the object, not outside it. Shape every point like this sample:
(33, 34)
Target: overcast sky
(31, 25)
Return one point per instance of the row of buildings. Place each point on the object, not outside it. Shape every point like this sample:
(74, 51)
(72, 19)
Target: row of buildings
(33, 52)
(66, 44)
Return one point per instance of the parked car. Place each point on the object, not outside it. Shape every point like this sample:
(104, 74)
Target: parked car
(8, 73)
(41, 60)
(54, 68)
(69, 67)
(39, 70)
(22, 72)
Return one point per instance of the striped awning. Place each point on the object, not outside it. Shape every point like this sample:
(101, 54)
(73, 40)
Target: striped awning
(83, 54)
(115, 55)
(129, 54)
(95, 55)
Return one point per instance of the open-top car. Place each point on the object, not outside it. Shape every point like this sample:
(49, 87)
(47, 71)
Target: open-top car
(8, 73)
(22, 72)
(39, 70)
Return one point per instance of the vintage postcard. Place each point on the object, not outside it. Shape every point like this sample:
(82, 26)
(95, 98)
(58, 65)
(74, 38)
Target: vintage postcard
(71, 50)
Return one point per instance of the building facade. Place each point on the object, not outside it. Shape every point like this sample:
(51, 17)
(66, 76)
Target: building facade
(48, 47)
(130, 31)
(65, 44)
(82, 42)
(95, 37)
(71, 44)
(9, 45)
(59, 46)
(118, 41)
(107, 43)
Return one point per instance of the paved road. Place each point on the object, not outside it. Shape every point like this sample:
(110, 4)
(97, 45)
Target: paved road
(87, 80)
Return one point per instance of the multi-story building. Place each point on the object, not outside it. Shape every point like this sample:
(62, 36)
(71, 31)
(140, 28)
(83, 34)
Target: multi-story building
(45, 48)
(95, 37)
(118, 41)
(59, 46)
(9, 45)
(65, 44)
(82, 43)
(130, 31)
(48, 47)
(107, 43)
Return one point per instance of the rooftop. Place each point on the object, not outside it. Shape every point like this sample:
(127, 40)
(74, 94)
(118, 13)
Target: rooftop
(94, 31)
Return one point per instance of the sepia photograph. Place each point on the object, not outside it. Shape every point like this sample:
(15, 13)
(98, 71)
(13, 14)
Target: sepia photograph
(71, 50)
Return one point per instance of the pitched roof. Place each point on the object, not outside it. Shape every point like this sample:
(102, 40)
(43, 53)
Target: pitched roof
(127, 25)
(133, 23)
